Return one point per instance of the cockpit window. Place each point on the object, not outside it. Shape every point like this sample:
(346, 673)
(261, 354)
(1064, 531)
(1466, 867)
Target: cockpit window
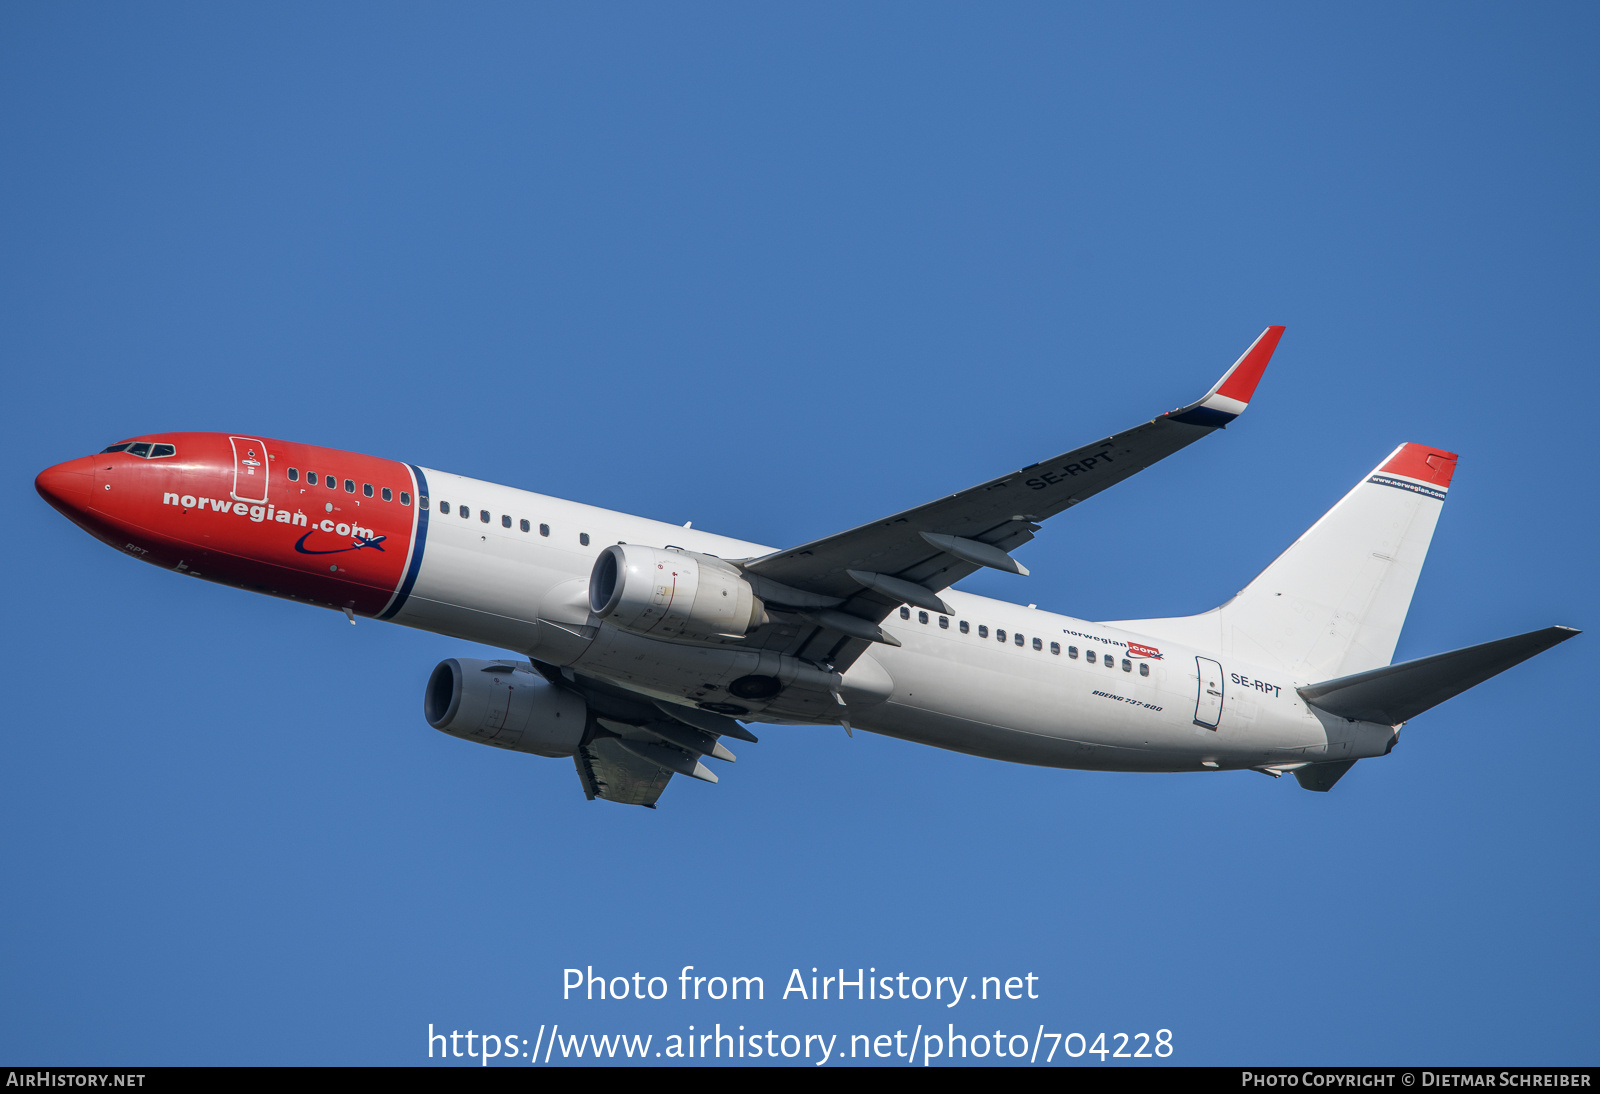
(145, 450)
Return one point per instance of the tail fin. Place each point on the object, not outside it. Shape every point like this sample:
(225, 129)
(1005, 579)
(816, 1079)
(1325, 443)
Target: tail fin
(1334, 602)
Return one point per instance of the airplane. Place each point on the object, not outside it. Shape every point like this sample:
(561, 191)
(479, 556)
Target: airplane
(643, 646)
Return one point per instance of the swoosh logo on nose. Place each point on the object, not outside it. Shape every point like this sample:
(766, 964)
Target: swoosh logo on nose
(375, 542)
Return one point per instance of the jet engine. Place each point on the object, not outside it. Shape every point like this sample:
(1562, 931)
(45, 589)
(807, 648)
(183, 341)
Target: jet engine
(673, 594)
(504, 704)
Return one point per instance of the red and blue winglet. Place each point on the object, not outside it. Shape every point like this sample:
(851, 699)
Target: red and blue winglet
(1225, 402)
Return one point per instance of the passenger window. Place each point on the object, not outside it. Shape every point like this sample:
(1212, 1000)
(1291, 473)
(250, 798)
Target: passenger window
(332, 481)
(1144, 668)
(294, 474)
(583, 538)
(983, 632)
(944, 623)
(311, 478)
(405, 499)
(1072, 652)
(1000, 635)
(162, 450)
(505, 521)
(922, 617)
(905, 613)
(366, 490)
(388, 495)
(544, 529)
(1038, 645)
(123, 447)
(1055, 648)
(1088, 655)
(1110, 661)
(1018, 638)
(142, 449)
(964, 628)
(464, 511)
(483, 515)
(349, 486)
(444, 507)
(1127, 666)
(526, 526)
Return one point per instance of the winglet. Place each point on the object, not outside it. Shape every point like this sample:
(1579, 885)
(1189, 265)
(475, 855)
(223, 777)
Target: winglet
(1227, 400)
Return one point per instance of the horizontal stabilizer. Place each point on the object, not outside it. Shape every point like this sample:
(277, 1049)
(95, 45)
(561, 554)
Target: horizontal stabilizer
(1321, 777)
(1398, 693)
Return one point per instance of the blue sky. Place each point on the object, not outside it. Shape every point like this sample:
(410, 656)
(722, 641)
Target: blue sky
(780, 270)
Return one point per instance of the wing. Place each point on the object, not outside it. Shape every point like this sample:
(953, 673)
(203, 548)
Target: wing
(840, 587)
(633, 745)
(606, 771)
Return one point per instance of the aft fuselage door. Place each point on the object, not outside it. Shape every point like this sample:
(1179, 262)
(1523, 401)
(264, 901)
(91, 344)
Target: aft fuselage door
(1208, 703)
(249, 469)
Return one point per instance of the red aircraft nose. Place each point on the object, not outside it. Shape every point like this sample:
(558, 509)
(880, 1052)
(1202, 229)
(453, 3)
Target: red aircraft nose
(67, 486)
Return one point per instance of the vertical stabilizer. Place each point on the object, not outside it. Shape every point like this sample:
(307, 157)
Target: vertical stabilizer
(1334, 602)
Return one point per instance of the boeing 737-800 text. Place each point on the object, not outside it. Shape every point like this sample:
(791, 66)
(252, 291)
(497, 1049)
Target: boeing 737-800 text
(648, 644)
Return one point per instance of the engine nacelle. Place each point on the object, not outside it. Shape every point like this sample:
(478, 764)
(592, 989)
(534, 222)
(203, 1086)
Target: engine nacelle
(503, 704)
(668, 593)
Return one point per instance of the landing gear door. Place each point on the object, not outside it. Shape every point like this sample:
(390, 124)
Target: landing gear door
(1208, 703)
(249, 470)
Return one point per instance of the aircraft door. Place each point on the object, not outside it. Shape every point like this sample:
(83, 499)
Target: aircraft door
(249, 469)
(1208, 702)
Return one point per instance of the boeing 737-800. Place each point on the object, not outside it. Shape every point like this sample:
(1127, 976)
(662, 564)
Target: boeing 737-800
(649, 644)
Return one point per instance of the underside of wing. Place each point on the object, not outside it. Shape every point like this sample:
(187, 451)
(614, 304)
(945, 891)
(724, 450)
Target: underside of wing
(837, 589)
(607, 771)
(633, 745)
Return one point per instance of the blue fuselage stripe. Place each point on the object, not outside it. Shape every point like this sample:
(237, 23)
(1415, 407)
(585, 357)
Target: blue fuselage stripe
(416, 547)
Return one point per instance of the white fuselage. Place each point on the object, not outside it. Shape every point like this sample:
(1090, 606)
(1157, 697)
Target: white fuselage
(967, 691)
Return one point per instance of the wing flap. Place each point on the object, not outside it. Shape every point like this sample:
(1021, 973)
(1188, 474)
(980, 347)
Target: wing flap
(609, 771)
